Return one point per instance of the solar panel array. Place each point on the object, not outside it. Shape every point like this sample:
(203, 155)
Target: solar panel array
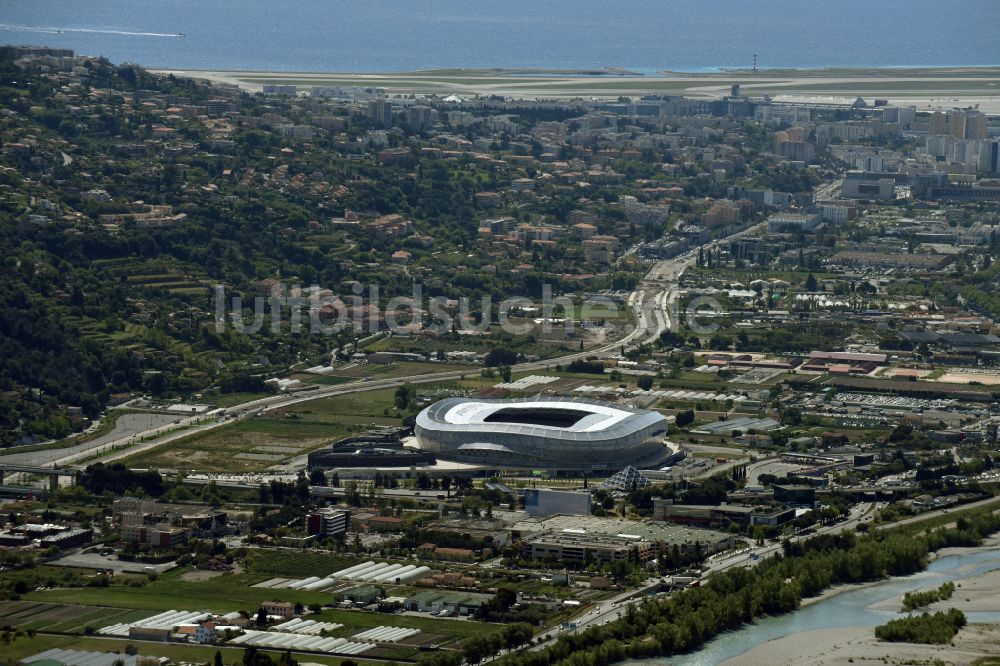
(166, 620)
(300, 642)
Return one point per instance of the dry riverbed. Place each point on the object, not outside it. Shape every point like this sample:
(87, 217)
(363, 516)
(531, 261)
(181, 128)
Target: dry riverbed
(858, 645)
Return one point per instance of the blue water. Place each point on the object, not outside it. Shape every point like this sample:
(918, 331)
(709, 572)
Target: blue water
(404, 35)
(850, 609)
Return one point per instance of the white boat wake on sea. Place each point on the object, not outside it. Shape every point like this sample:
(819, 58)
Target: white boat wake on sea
(56, 31)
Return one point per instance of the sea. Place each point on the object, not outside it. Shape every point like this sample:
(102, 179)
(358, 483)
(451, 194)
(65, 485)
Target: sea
(643, 36)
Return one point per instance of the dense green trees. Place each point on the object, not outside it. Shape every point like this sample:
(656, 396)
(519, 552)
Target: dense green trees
(244, 382)
(685, 418)
(938, 628)
(252, 657)
(914, 600)
(403, 396)
(685, 620)
(513, 636)
(800, 337)
(586, 367)
(89, 311)
(500, 356)
(118, 479)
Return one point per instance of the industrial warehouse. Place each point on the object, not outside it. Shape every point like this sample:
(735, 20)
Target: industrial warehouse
(565, 434)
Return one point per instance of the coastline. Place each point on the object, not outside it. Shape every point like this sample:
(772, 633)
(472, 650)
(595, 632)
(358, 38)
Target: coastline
(925, 88)
(711, 72)
(895, 70)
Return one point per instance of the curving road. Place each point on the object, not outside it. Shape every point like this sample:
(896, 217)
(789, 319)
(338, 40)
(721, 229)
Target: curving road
(863, 512)
(651, 320)
(650, 304)
(126, 426)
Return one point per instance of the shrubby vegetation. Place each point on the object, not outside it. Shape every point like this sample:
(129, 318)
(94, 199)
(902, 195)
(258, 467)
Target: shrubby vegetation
(586, 367)
(252, 657)
(685, 418)
(683, 621)
(914, 600)
(117, 479)
(938, 628)
(92, 312)
(513, 636)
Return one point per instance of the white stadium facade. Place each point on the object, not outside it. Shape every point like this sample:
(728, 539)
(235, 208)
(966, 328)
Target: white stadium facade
(552, 433)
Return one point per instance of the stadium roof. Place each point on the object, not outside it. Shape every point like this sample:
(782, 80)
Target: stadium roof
(551, 417)
(593, 415)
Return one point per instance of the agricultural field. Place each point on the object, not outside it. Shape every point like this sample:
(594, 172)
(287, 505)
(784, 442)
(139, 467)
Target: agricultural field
(62, 618)
(532, 344)
(173, 282)
(351, 412)
(441, 630)
(319, 380)
(258, 443)
(72, 610)
(245, 446)
(228, 592)
(391, 370)
(595, 310)
(292, 564)
(24, 646)
(231, 399)
(50, 576)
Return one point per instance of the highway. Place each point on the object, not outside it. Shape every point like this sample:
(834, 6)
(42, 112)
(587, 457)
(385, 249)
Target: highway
(651, 317)
(651, 306)
(771, 465)
(255, 407)
(828, 191)
(612, 609)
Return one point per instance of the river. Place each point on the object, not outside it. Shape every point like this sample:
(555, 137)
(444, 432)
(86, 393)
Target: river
(848, 609)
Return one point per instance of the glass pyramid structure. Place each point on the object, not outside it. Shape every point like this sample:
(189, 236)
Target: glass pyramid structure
(626, 480)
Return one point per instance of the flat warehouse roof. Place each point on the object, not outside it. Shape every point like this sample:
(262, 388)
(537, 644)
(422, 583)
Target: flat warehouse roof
(593, 526)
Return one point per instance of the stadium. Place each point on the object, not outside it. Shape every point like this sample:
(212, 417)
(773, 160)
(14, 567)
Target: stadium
(567, 434)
